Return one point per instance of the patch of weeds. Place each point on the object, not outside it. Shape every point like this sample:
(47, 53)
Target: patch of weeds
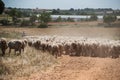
(10, 34)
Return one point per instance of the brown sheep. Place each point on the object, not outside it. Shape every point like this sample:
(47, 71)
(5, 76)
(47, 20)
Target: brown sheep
(61, 49)
(3, 46)
(30, 43)
(55, 51)
(37, 44)
(67, 49)
(115, 51)
(17, 45)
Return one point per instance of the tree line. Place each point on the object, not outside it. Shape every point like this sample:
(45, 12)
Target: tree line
(45, 17)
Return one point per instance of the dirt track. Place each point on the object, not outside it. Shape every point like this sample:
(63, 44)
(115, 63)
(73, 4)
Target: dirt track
(81, 68)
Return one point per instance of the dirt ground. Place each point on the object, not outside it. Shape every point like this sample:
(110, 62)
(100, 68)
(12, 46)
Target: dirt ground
(93, 32)
(81, 68)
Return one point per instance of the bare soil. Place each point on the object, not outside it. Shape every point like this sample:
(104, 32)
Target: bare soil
(81, 68)
(94, 32)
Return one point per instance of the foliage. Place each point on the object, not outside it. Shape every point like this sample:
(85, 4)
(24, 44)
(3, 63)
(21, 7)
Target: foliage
(45, 17)
(2, 5)
(25, 23)
(109, 18)
(70, 19)
(4, 22)
(14, 13)
(93, 17)
(43, 25)
(59, 19)
(33, 18)
(56, 11)
(71, 9)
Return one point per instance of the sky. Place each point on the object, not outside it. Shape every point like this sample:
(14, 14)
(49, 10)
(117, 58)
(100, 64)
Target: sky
(63, 4)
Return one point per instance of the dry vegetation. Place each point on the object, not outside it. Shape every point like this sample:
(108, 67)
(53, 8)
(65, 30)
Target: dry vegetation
(31, 61)
(99, 32)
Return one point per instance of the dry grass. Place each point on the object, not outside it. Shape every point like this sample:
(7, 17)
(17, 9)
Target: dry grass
(100, 32)
(31, 61)
(10, 34)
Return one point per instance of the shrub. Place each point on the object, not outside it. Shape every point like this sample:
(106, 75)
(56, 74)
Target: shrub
(4, 22)
(109, 19)
(43, 25)
(25, 23)
(70, 19)
(93, 18)
(45, 17)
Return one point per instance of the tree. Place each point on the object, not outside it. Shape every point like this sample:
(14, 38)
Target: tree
(55, 11)
(71, 9)
(2, 6)
(4, 22)
(109, 19)
(14, 13)
(33, 18)
(70, 19)
(44, 19)
(93, 17)
(59, 19)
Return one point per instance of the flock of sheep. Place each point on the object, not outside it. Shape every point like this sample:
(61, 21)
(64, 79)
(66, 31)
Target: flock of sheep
(61, 45)
(75, 46)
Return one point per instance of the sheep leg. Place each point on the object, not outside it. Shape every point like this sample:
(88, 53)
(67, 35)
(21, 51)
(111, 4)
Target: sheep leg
(20, 51)
(3, 52)
(15, 51)
(23, 49)
(9, 51)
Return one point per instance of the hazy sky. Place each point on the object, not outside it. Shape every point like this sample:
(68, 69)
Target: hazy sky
(63, 4)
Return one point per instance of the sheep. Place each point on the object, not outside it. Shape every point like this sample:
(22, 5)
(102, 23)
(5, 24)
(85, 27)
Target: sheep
(76, 46)
(55, 50)
(17, 45)
(3, 45)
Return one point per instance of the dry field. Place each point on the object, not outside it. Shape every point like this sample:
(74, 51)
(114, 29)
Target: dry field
(39, 66)
(93, 32)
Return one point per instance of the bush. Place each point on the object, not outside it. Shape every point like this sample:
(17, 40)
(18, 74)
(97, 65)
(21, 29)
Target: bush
(25, 23)
(70, 19)
(43, 25)
(109, 18)
(4, 22)
(45, 17)
(93, 18)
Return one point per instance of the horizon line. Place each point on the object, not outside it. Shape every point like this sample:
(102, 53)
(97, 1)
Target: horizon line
(62, 8)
